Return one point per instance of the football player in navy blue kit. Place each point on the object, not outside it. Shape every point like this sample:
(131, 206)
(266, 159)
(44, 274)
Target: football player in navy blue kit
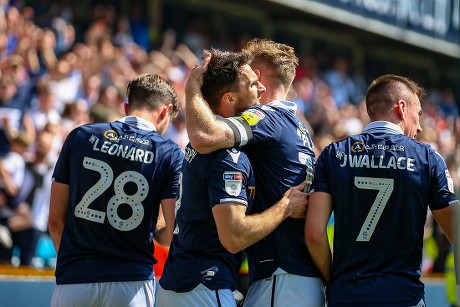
(108, 185)
(278, 144)
(379, 185)
(216, 190)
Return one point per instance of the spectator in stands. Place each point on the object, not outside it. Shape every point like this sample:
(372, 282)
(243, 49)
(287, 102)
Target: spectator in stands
(12, 169)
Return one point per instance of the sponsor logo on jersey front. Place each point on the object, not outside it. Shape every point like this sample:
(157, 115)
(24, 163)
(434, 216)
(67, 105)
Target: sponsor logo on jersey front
(233, 182)
(252, 116)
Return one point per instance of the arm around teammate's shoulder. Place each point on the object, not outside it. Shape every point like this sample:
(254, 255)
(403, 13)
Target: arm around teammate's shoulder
(206, 133)
(210, 136)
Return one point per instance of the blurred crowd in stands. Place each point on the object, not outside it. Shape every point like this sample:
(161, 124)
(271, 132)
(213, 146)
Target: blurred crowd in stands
(55, 75)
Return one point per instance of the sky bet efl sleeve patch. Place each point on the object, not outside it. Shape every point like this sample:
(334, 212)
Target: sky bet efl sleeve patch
(233, 182)
(252, 116)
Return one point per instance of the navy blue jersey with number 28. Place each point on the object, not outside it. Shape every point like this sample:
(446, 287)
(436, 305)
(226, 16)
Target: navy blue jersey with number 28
(117, 175)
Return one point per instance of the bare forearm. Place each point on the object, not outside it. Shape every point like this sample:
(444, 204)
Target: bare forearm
(254, 228)
(56, 235)
(321, 255)
(205, 131)
(163, 236)
(318, 214)
(59, 204)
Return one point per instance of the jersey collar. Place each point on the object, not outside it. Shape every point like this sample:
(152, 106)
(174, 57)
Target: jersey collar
(383, 126)
(138, 122)
(289, 105)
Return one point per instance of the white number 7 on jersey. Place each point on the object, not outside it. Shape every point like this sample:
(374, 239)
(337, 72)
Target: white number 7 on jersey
(385, 187)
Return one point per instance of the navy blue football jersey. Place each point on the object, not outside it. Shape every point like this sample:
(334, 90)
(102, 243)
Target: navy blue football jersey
(196, 254)
(117, 173)
(381, 183)
(281, 152)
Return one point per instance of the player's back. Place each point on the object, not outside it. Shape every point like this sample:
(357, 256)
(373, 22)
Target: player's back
(117, 174)
(281, 151)
(381, 183)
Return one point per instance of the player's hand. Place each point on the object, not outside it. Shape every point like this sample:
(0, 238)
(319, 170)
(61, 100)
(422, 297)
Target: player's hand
(195, 78)
(298, 201)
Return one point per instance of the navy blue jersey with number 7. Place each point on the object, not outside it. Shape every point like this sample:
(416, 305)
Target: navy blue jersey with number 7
(382, 184)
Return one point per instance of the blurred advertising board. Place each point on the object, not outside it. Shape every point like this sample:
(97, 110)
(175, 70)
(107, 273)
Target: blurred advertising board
(431, 24)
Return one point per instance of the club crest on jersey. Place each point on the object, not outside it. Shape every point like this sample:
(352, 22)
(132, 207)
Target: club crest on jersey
(252, 116)
(111, 135)
(358, 147)
(233, 183)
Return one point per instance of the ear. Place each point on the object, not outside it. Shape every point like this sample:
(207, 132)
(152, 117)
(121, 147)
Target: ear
(257, 71)
(126, 106)
(228, 98)
(401, 107)
(164, 111)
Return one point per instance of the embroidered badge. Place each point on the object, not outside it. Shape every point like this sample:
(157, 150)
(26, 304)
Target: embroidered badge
(233, 183)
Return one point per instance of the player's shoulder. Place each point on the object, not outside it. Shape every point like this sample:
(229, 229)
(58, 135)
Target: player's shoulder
(230, 155)
(85, 128)
(275, 106)
(417, 146)
(285, 105)
(93, 127)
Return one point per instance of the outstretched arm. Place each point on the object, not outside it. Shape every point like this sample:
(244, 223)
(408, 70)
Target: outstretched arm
(205, 131)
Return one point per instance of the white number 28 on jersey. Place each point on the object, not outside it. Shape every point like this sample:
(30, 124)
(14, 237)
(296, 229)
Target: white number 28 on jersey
(385, 187)
(83, 210)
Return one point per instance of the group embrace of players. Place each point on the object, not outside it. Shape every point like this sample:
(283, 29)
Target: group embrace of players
(245, 137)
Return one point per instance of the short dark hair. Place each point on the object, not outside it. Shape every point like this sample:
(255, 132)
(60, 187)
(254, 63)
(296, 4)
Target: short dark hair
(148, 91)
(386, 90)
(222, 75)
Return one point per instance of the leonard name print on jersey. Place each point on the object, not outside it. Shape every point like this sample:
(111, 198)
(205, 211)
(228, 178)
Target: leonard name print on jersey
(233, 183)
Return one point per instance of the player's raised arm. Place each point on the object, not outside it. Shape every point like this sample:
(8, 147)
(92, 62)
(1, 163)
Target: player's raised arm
(205, 131)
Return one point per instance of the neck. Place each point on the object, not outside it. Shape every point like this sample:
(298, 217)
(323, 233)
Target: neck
(152, 117)
(269, 96)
